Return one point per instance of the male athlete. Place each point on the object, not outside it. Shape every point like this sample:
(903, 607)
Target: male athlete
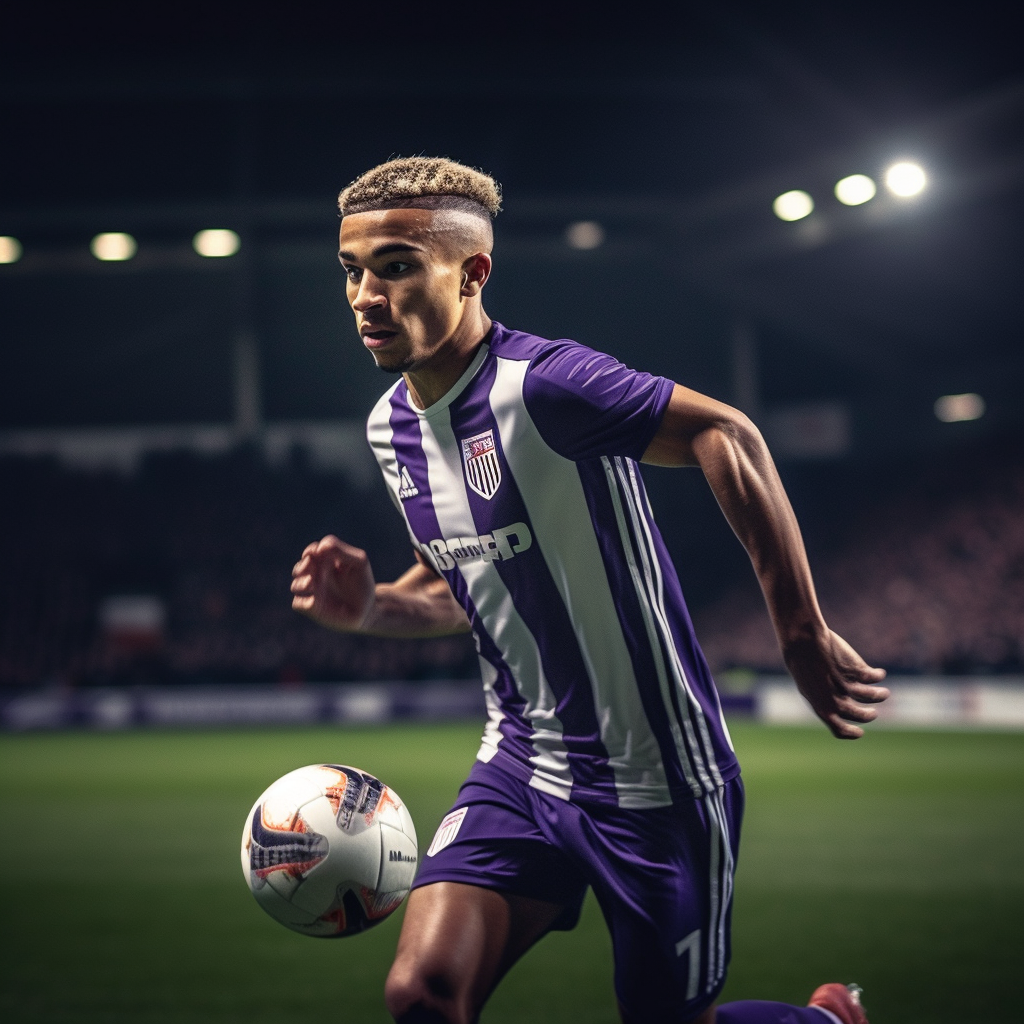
(605, 761)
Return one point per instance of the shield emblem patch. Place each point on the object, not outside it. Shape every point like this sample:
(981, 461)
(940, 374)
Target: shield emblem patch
(447, 831)
(483, 471)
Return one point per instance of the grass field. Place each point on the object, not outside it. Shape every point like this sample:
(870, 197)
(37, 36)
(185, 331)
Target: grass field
(895, 861)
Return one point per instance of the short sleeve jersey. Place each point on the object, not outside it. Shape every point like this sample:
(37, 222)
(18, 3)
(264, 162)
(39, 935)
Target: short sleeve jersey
(521, 488)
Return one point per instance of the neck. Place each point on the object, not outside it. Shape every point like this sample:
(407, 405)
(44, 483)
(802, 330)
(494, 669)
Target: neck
(437, 376)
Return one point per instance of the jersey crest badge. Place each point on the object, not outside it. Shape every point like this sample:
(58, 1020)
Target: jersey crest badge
(406, 487)
(483, 471)
(447, 831)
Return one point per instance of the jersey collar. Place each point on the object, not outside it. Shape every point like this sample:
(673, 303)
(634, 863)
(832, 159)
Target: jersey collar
(460, 385)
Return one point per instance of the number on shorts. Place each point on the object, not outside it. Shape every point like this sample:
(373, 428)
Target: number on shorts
(691, 944)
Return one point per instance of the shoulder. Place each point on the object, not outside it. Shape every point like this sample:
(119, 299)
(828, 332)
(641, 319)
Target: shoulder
(583, 402)
(520, 345)
(543, 370)
(558, 360)
(565, 371)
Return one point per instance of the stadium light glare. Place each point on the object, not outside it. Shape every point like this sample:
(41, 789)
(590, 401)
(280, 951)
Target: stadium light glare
(216, 242)
(905, 179)
(10, 249)
(958, 408)
(113, 246)
(855, 189)
(584, 234)
(794, 205)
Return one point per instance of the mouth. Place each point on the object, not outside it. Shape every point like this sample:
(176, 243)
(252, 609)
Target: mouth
(376, 337)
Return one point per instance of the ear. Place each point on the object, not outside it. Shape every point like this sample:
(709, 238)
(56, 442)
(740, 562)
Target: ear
(475, 271)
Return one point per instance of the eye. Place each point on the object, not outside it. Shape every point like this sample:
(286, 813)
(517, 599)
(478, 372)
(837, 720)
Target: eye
(397, 267)
(353, 273)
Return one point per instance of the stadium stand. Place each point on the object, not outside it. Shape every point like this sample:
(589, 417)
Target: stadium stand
(215, 540)
(927, 578)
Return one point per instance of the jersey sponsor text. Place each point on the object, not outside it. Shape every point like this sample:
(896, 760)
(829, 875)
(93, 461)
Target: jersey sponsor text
(501, 545)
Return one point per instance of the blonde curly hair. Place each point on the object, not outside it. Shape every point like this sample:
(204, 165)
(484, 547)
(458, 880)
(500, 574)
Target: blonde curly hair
(434, 183)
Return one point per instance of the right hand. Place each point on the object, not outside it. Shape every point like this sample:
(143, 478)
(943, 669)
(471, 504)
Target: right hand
(333, 584)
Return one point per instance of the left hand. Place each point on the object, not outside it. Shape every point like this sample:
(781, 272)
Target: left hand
(837, 682)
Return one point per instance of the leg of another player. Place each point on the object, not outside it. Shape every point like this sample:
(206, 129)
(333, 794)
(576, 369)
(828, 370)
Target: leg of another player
(831, 1003)
(756, 1011)
(707, 1017)
(457, 942)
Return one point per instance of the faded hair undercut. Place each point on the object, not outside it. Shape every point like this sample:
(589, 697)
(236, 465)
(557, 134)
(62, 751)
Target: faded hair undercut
(423, 182)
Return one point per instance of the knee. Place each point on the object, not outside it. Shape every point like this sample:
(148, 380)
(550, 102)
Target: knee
(403, 992)
(416, 997)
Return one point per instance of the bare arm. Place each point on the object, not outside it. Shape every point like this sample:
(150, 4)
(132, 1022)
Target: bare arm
(698, 431)
(333, 584)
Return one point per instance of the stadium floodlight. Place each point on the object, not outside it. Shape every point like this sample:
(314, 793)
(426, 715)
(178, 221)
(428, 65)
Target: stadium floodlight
(216, 242)
(10, 249)
(905, 179)
(855, 189)
(794, 205)
(584, 234)
(113, 246)
(958, 408)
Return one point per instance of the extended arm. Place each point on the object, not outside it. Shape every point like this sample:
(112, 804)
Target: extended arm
(698, 431)
(333, 584)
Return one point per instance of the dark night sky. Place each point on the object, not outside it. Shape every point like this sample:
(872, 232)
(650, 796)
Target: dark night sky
(675, 130)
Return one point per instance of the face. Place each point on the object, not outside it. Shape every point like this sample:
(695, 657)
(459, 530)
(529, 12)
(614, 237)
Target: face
(405, 284)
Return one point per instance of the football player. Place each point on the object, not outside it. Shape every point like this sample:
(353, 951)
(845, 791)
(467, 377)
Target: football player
(606, 761)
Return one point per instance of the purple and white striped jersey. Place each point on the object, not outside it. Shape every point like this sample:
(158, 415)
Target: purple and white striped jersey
(520, 486)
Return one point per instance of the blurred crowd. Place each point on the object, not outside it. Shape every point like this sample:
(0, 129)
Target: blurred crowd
(930, 577)
(215, 540)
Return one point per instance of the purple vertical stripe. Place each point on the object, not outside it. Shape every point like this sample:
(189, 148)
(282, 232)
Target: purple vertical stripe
(684, 637)
(712, 748)
(631, 619)
(701, 754)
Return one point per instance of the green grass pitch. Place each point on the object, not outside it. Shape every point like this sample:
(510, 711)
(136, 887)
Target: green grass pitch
(895, 861)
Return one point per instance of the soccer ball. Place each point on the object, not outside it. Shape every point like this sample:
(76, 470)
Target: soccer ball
(329, 850)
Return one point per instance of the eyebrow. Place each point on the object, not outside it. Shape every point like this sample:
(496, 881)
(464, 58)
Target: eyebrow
(381, 250)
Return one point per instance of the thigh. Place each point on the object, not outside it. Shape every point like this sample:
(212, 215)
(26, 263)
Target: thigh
(491, 839)
(664, 881)
(490, 885)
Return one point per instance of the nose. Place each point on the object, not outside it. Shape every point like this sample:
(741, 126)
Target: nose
(368, 294)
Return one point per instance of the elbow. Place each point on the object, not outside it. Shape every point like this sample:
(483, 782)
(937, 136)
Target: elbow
(695, 427)
(736, 431)
(733, 446)
(741, 428)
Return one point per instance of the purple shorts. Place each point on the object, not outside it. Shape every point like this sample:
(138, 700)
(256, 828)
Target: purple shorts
(663, 878)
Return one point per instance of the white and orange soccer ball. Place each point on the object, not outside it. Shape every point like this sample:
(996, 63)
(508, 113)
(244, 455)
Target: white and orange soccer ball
(329, 850)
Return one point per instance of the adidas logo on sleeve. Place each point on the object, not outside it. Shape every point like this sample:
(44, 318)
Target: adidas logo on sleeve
(406, 487)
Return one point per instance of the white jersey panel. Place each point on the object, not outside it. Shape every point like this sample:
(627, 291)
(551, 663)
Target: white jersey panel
(493, 602)
(562, 527)
(492, 732)
(378, 433)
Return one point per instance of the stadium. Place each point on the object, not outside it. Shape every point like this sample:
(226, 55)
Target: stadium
(810, 217)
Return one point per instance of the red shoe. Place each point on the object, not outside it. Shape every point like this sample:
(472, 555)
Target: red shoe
(842, 1000)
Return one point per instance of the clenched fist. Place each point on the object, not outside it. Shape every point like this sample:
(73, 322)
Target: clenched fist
(333, 584)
